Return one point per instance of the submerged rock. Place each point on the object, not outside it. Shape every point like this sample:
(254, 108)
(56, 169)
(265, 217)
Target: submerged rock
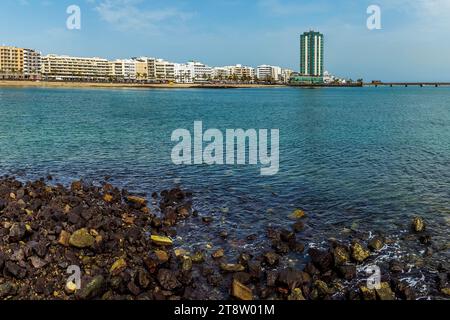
(418, 224)
(396, 266)
(230, 267)
(376, 244)
(186, 264)
(218, 254)
(298, 226)
(271, 258)
(198, 257)
(297, 214)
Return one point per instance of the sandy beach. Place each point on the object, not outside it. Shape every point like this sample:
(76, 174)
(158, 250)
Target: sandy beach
(63, 84)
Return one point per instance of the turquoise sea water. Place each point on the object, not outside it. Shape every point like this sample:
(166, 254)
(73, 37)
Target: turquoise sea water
(362, 158)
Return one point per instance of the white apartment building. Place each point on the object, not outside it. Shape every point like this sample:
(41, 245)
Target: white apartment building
(193, 72)
(163, 70)
(122, 70)
(184, 73)
(202, 72)
(241, 72)
(221, 73)
(153, 69)
(286, 75)
(267, 72)
(55, 67)
(32, 64)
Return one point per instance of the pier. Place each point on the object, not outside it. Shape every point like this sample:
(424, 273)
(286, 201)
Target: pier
(407, 84)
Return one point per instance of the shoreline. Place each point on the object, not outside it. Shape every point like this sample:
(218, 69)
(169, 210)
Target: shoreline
(67, 84)
(126, 247)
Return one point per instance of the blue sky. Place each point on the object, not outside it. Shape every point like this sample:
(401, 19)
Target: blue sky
(412, 45)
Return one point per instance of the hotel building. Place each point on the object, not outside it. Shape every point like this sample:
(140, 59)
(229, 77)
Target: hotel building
(311, 58)
(163, 70)
(11, 62)
(193, 72)
(60, 68)
(202, 72)
(19, 63)
(221, 73)
(141, 70)
(184, 73)
(122, 70)
(268, 73)
(32, 62)
(286, 75)
(241, 72)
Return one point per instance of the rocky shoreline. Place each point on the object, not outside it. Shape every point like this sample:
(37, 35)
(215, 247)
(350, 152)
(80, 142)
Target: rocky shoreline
(123, 246)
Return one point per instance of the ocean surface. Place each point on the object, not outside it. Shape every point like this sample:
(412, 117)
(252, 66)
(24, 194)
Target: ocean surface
(361, 159)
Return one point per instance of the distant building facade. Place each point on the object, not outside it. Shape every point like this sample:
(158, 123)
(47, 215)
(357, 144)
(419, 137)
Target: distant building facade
(286, 75)
(19, 63)
(32, 62)
(122, 70)
(241, 73)
(184, 73)
(193, 72)
(23, 64)
(221, 73)
(141, 70)
(66, 68)
(269, 73)
(236, 73)
(162, 70)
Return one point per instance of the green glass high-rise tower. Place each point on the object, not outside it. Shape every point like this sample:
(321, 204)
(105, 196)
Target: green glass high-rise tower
(311, 58)
(311, 54)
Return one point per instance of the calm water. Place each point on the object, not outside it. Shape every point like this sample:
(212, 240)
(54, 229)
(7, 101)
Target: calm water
(367, 159)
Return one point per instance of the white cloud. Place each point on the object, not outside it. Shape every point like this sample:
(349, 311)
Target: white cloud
(129, 15)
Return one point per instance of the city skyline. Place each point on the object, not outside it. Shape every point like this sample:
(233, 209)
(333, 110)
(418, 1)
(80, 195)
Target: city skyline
(408, 47)
(28, 64)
